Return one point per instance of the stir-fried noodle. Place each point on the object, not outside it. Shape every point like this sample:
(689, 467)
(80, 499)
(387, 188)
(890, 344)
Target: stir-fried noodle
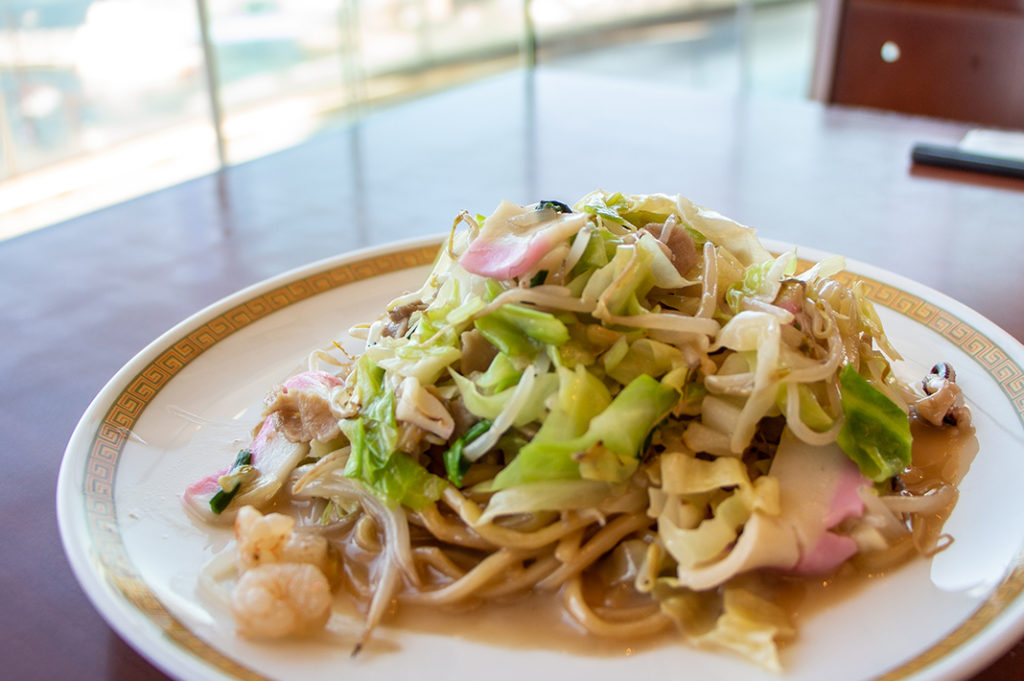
(629, 405)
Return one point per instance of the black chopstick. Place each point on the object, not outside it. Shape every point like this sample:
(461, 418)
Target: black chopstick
(952, 157)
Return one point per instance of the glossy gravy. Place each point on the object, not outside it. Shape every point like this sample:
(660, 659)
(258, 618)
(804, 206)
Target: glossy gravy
(536, 621)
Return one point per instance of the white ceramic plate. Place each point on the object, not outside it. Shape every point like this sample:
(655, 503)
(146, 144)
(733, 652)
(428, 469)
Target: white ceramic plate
(137, 554)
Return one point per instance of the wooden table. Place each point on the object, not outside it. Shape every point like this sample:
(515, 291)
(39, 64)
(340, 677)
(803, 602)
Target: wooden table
(80, 298)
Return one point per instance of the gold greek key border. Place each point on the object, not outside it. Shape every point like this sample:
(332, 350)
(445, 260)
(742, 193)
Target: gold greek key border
(1010, 377)
(114, 431)
(991, 357)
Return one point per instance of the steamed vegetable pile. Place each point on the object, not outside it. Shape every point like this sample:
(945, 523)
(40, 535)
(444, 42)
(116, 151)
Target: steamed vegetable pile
(631, 391)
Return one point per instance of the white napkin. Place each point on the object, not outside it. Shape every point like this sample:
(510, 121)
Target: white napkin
(1001, 143)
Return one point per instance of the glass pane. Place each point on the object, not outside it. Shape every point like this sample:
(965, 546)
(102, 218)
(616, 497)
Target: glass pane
(41, 91)
(758, 46)
(403, 36)
(290, 67)
(281, 68)
(562, 19)
(105, 98)
(782, 42)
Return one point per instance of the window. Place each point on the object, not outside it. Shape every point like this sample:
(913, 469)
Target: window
(101, 100)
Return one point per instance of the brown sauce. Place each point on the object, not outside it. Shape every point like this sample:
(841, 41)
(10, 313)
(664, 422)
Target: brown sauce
(536, 621)
(939, 454)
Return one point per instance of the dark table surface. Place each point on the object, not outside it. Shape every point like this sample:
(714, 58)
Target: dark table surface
(79, 299)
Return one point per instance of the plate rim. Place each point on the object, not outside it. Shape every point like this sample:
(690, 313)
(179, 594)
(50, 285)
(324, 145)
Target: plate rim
(975, 642)
(114, 599)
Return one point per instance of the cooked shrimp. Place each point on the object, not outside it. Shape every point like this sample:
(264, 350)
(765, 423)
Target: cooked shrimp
(281, 599)
(272, 538)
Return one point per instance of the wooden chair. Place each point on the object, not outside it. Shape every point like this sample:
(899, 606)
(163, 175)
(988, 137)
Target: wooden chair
(956, 59)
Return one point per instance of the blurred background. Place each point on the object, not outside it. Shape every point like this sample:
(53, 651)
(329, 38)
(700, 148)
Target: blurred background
(103, 100)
